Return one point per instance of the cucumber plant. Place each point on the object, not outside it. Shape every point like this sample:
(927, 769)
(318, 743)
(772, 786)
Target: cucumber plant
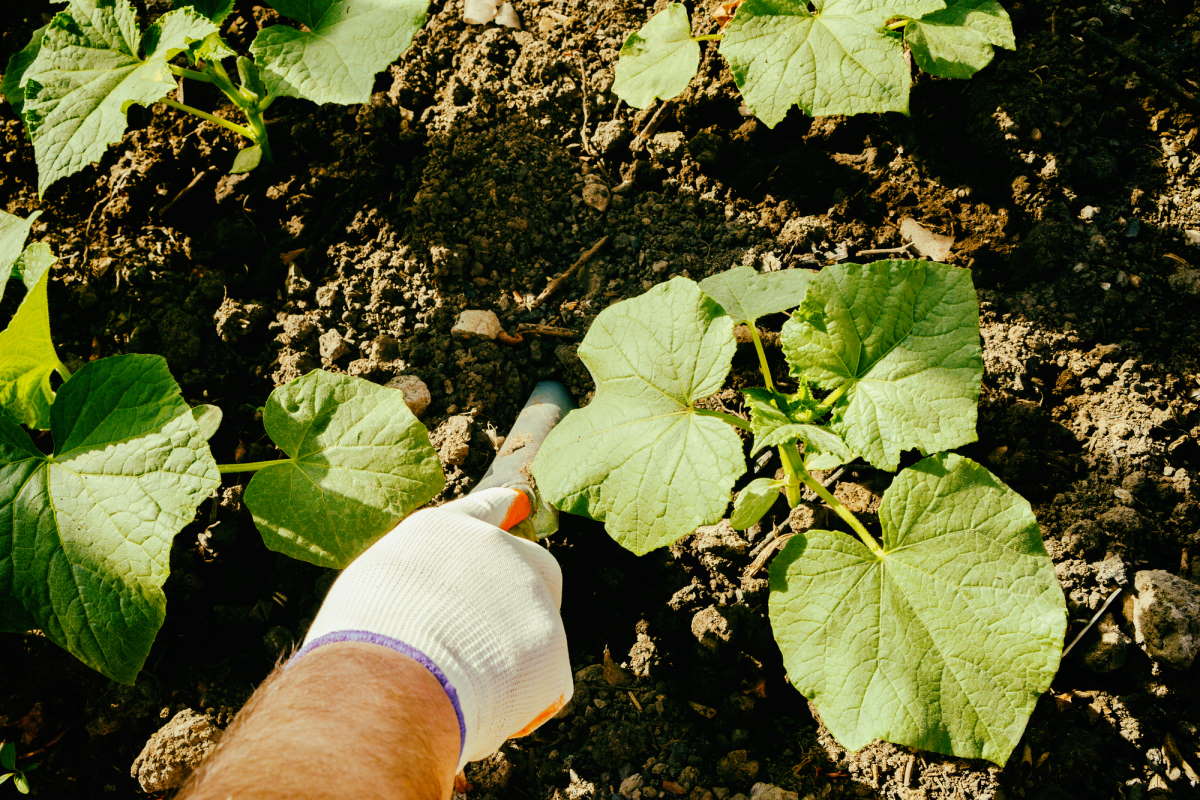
(86, 529)
(941, 630)
(76, 79)
(824, 56)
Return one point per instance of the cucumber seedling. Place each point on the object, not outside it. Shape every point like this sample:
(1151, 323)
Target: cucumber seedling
(825, 56)
(86, 529)
(75, 80)
(941, 631)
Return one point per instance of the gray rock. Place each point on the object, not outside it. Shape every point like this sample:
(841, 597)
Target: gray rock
(174, 750)
(1110, 649)
(769, 791)
(1166, 617)
(416, 393)
(474, 323)
(610, 135)
(333, 345)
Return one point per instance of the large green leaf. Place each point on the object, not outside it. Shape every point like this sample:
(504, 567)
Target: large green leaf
(28, 359)
(659, 60)
(747, 294)
(946, 641)
(957, 41)
(836, 58)
(14, 231)
(640, 457)
(346, 44)
(359, 462)
(85, 534)
(901, 340)
(93, 64)
(13, 86)
(216, 10)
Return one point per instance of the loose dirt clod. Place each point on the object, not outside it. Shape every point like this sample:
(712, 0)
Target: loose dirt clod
(416, 393)
(1166, 617)
(174, 750)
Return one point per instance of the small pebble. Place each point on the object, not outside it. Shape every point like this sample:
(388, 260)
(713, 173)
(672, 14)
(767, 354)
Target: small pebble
(174, 750)
(1166, 617)
(416, 393)
(333, 345)
(480, 12)
(477, 324)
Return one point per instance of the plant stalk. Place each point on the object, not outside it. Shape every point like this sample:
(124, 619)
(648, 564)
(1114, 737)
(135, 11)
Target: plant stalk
(791, 487)
(251, 466)
(834, 396)
(708, 37)
(846, 514)
(732, 419)
(224, 123)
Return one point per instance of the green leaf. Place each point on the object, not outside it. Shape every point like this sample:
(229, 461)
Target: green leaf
(639, 457)
(359, 462)
(659, 60)
(348, 42)
(8, 755)
(211, 48)
(93, 64)
(5, 777)
(35, 262)
(775, 419)
(85, 534)
(14, 231)
(944, 643)
(215, 10)
(901, 339)
(208, 419)
(21, 782)
(248, 159)
(747, 294)
(753, 501)
(13, 86)
(957, 41)
(28, 359)
(835, 59)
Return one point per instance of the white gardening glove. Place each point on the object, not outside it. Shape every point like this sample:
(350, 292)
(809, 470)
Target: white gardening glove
(478, 607)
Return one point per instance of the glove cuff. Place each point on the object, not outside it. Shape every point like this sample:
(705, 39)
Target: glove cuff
(404, 649)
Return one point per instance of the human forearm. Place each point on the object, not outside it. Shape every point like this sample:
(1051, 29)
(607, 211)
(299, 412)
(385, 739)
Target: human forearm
(346, 720)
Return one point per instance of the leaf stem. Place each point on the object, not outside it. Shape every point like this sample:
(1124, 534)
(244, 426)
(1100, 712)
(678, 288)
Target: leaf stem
(840, 509)
(191, 74)
(732, 419)
(62, 370)
(792, 486)
(251, 466)
(224, 123)
(833, 397)
(708, 37)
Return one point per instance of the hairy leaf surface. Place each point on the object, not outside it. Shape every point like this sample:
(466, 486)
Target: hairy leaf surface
(775, 419)
(27, 355)
(85, 535)
(747, 294)
(835, 59)
(93, 64)
(901, 339)
(947, 641)
(346, 44)
(359, 462)
(957, 41)
(639, 457)
(659, 60)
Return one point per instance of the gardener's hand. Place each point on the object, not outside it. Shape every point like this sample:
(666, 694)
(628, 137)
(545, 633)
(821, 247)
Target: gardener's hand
(476, 606)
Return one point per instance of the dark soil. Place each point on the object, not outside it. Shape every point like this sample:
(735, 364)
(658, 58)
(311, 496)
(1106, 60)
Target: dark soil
(1067, 176)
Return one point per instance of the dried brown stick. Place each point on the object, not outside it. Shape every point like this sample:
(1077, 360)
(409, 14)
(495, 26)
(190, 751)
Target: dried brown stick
(557, 283)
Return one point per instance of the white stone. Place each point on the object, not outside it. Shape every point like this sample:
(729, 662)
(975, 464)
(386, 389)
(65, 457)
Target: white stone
(480, 12)
(507, 17)
(475, 323)
(1166, 617)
